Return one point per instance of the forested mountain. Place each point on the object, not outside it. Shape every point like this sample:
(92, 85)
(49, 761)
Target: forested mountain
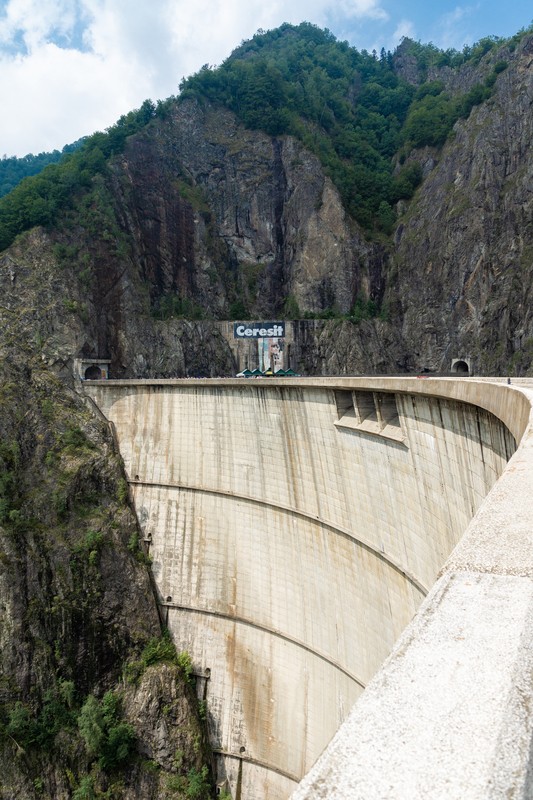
(353, 109)
(303, 179)
(13, 169)
(40, 200)
(360, 113)
(381, 201)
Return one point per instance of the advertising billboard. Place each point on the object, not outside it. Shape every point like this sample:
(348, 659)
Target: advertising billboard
(270, 354)
(269, 338)
(259, 330)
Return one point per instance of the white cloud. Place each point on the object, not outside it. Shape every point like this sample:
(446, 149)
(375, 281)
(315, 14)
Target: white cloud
(51, 93)
(404, 29)
(453, 28)
(55, 96)
(359, 9)
(33, 22)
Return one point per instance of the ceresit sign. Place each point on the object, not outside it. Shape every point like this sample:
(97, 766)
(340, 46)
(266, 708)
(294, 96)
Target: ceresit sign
(259, 330)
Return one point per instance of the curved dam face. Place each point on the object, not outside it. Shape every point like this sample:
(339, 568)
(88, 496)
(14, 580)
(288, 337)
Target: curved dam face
(295, 526)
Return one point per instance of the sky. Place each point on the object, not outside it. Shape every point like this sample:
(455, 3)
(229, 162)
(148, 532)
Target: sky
(72, 67)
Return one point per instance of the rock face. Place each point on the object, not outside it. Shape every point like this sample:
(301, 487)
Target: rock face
(200, 219)
(77, 610)
(463, 251)
(279, 225)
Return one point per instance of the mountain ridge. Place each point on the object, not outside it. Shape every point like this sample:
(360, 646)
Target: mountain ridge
(139, 249)
(182, 212)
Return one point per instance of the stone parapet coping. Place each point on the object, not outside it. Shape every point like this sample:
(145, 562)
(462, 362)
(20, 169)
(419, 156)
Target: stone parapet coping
(508, 403)
(448, 715)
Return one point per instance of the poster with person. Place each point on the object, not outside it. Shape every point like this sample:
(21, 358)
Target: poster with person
(270, 337)
(270, 354)
(275, 354)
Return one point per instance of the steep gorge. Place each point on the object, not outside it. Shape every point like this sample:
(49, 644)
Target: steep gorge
(199, 219)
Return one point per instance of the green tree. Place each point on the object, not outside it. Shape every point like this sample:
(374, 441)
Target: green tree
(107, 736)
(429, 121)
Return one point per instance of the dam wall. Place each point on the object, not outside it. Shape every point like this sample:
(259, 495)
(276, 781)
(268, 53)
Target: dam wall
(295, 527)
(449, 714)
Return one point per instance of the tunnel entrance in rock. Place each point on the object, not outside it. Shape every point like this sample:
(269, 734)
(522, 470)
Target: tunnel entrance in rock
(93, 373)
(460, 368)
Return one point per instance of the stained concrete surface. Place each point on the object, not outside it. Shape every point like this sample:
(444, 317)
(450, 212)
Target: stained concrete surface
(293, 538)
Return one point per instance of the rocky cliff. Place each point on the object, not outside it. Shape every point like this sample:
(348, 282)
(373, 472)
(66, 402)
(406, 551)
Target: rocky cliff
(94, 701)
(461, 267)
(199, 219)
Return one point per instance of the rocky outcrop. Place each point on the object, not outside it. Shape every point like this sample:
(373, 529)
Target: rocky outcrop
(461, 270)
(78, 614)
(220, 214)
(199, 219)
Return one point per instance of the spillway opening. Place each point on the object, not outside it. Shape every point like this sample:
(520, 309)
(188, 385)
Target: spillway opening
(369, 412)
(344, 404)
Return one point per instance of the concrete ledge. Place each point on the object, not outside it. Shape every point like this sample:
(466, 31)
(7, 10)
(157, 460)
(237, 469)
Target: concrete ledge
(313, 519)
(268, 630)
(448, 715)
(387, 432)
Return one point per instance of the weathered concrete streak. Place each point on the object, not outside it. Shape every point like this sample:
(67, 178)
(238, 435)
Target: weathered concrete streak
(289, 551)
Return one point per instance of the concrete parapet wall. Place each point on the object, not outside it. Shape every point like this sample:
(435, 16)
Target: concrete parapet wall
(295, 526)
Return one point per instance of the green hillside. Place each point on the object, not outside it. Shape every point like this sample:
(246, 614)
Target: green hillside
(352, 109)
(13, 170)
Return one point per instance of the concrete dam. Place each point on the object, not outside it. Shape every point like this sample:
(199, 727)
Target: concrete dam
(295, 526)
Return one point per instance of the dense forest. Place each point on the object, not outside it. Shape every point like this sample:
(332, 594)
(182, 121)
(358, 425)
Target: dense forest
(352, 109)
(13, 169)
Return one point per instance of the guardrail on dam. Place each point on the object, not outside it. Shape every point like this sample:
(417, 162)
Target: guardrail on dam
(295, 527)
